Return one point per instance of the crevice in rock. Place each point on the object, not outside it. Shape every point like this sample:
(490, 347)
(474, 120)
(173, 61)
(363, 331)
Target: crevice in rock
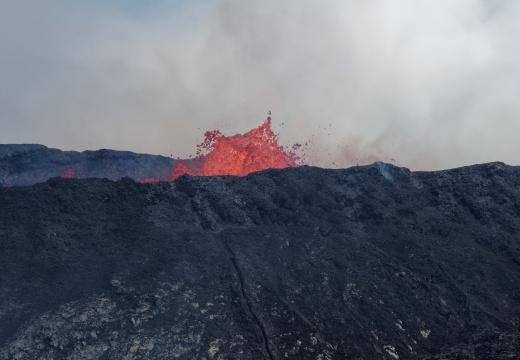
(249, 306)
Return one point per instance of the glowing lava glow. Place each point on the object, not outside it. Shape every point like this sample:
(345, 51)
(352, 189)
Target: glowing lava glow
(69, 174)
(151, 180)
(72, 173)
(237, 155)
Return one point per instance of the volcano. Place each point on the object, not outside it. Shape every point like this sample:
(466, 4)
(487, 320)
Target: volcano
(370, 262)
(240, 154)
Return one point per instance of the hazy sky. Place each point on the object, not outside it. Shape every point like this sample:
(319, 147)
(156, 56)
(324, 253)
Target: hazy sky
(430, 83)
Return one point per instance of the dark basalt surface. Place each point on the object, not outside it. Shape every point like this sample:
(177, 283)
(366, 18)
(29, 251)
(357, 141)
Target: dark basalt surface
(26, 164)
(372, 262)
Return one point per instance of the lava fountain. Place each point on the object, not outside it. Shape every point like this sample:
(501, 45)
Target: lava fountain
(237, 155)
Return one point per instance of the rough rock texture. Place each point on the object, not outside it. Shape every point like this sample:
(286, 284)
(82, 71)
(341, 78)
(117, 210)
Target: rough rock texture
(26, 164)
(372, 262)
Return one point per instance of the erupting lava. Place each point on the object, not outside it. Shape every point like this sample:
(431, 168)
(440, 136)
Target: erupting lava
(237, 155)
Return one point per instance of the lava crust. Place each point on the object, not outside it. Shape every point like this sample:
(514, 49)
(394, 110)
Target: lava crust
(372, 262)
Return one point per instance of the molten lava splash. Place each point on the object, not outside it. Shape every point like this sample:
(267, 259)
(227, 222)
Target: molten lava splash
(237, 155)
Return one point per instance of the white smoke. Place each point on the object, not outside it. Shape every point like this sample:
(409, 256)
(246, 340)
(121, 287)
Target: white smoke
(429, 83)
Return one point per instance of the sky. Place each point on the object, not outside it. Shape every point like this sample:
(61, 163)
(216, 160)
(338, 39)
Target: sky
(425, 84)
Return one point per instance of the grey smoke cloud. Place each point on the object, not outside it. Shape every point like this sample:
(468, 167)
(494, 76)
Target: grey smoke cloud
(430, 83)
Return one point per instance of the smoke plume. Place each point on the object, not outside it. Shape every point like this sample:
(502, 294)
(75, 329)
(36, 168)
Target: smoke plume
(425, 84)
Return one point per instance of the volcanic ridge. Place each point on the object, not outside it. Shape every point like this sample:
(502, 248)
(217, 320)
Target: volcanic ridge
(369, 262)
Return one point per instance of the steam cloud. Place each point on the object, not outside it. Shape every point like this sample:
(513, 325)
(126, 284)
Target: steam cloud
(432, 83)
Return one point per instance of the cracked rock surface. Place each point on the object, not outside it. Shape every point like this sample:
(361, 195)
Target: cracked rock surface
(372, 262)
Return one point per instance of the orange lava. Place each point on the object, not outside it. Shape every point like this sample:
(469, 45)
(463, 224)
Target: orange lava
(69, 174)
(73, 174)
(151, 180)
(237, 155)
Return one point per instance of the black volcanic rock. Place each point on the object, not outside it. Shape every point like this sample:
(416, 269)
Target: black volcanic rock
(26, 164)
(372, 262)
